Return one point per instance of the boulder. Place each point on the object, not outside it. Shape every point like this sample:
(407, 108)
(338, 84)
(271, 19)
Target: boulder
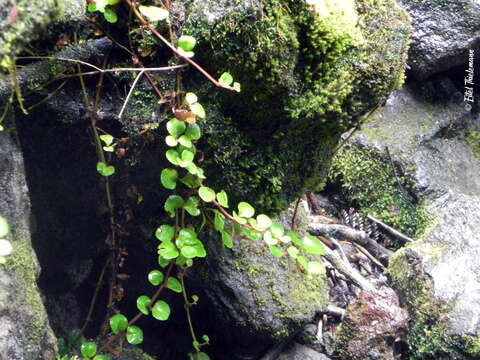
(25, 333)
(427, 150)
(301, 352)
(443, 34)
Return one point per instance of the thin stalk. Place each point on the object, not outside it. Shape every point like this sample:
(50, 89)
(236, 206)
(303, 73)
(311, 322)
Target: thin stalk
(187, 310)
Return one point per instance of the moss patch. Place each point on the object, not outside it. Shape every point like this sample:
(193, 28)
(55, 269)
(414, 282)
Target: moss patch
(472, 137)
(369, 181)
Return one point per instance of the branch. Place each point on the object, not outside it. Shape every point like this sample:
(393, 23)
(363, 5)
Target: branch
(391, 230)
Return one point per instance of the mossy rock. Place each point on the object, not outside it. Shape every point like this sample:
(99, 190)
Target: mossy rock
(306, 78)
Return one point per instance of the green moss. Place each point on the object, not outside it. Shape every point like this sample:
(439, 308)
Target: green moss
(428, 336)
(305, 79)
(472, 137)
(21, 262)
(369, 181)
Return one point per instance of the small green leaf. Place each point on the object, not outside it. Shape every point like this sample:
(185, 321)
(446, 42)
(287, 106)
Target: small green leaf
(252, 234)
(189, 251)
(155, 277)
(107, 139)
(171, 141)
(219, 223)
(108, 149)
(269, 239)
(134, 335)
(245, 210)
(176, 128)
(191, 206)
(277, 230)
(110, 16)
(195, 298)
(169, 178)
(205, 338)
(190, 181)
(222, 198)
(142, 304)
(173, 157)
(226, 79)
(312, 245)
(237, 87)
(294, 238)
(263, 222)
(187, 54)
(173, 202)
(303, 262)
(193, 132)
(153, 13)
(206, 194)
(5, 247)
(101, 357)
(186, 43)
(227, 240)
(186, 237)
(101, 5)
(4, 228)
(202, 356)
(276, 251)
(161, 310)
(88, 349)
(168, 250)
(105, 170)
(293, 252)
(239, 219)
(92, 7)
(163, 262)
(198, 110)
(174, 285)
(185, 141)
(187, 156)
(316, 267)
(165, 233)
(118, 323)
(190, 98)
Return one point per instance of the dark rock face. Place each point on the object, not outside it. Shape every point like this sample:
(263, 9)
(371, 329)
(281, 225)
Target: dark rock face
(372, 324)
(443, 33)
(25, 332)
(301, 352)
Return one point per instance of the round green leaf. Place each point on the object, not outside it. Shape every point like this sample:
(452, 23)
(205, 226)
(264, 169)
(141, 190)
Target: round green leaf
(263, 222)
(187, 156)
(163, 262)
(88, 349)
(4, 228)
(269, 239)
(110, 16)
(227, 240)
(277, 230)
(189, 251)
(186, 237)
(165, 233)
(105, 170)
(118, 323)
(239, 219)
(185, 141)
(153, 13)
(252, 234)
(107, 139)
(173, 202)
(222, 198)
(245, 210)
(191, 206)
(219, 223)
(187, 43)
(101, 357)
(142, 304)
(202, 356)
(277, 252)
(226, 79)
(169, 178)
(173, 157)
(190, 98)
(237, 87)
(168, 250)
(293, 252)
(198, 110)
(161, 310)
(176, 127)
(174, 285)
(201, 253)
(206, 194)
(171, 141)
(5, 247)
(155, 277)
(312, 245)
(92, 7)
(193, 132)
(134, 335)
(316, 267)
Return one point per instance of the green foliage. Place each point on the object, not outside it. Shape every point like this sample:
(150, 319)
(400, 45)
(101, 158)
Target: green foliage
(153, 13)
(88, 349)
(104, 6)
(104, 169)
(155, 277)
(118, 323)
(473, 141)
(5, 246)
(143, 302)
(134, 335)
(161, 310)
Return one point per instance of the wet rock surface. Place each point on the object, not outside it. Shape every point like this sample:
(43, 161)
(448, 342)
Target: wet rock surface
(301, 352)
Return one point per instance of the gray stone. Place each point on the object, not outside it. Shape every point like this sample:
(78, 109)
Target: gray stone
(301, 352)
(25, 332)
(443, 32)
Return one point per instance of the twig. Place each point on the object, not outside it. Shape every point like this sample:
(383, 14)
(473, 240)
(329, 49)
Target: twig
(174, 50)
(130, 93)
(48, 97)
(295, 214)
(391, 230)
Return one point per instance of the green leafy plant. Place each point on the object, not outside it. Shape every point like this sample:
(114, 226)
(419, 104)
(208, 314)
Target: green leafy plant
(106, 8)
(5, 245)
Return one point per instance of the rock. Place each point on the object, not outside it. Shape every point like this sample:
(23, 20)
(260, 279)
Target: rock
(301, 352)
(259, 299)
(22, 22)
(437, 276)
(372, 325)
(443, 33)
(25, 332)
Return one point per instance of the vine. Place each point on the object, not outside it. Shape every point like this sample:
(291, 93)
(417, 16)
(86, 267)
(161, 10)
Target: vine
(191, 203)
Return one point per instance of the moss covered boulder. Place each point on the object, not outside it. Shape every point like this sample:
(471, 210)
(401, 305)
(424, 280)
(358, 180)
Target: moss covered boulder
(307, 75)
(412, 166)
